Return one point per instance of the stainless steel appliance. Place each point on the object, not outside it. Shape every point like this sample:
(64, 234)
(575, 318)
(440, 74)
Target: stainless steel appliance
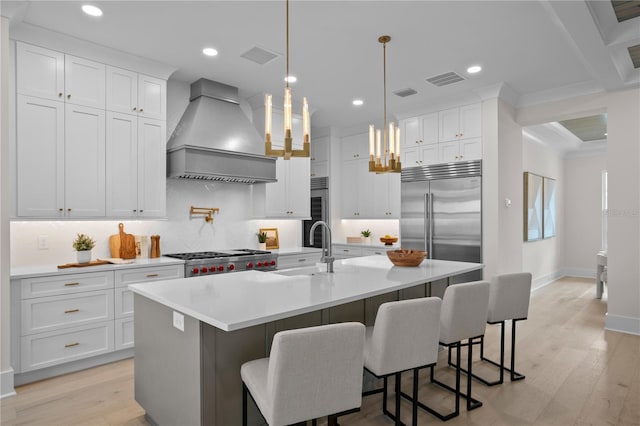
(220, 262)
(319, 212)
(441, 212)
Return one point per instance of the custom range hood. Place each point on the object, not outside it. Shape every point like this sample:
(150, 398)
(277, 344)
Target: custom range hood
(215, 140)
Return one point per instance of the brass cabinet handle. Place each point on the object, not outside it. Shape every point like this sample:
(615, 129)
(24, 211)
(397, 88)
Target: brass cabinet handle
(152, 275)
(68, 96)
(60, 94)
(141, 110)
(134, 108)
(302, 260)
(60, 209)
(70, 284)
(69, 345)
(141, 210)
(68, 210)
(71, 311)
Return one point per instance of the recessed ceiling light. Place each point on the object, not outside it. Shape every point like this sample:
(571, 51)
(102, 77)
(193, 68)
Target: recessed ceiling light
(91, 10)
(357, 102)
(474, 69)
(209, 51)
(291, 79)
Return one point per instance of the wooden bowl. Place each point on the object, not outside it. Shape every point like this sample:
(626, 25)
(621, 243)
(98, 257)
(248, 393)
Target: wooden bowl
(406, 257)
(388, 241)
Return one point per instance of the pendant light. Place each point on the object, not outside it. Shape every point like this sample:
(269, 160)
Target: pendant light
(288, 150)
(384, 145)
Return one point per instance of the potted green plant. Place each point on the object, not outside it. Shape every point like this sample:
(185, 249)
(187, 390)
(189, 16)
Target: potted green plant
(367, 236)
(83, 245)
(262, 240)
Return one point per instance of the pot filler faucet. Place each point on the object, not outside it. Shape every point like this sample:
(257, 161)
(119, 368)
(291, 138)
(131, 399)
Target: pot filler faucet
(326, 252)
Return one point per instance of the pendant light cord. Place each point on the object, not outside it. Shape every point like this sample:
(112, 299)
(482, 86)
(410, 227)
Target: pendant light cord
(384, 74)
(287, 75)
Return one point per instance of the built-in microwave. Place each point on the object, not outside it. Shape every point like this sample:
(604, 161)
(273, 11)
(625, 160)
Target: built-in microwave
(319, 211)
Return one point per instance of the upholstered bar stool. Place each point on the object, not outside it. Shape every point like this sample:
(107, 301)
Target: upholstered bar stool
(508, 300)
(403, 338)
(463, 317)
(311, 372)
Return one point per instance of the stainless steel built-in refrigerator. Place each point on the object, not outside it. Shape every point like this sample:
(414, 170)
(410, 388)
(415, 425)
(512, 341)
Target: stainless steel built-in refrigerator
(441, 212)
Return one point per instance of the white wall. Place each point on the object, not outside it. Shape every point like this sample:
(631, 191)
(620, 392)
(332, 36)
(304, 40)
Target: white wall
(544, 258)
(582, 213)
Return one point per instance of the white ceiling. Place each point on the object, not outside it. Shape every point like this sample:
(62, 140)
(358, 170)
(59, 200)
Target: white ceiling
(534, 51)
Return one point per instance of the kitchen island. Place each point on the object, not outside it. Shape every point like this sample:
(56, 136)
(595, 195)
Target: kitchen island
(192, 335)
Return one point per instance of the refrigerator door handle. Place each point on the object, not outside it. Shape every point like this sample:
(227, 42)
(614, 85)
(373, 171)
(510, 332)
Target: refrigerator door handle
(428, 229)
(431, 219)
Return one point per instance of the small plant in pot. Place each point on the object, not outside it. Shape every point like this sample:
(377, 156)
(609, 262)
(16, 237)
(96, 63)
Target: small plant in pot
(83, 245)
(367, 235)
(262, 240)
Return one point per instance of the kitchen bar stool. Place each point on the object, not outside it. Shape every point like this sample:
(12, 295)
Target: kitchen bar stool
(311, 372)
(508, 300)
(463, 316)
(404, 337)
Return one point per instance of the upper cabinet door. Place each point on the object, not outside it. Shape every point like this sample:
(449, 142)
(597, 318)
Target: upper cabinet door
(84, 82)
(40, 157)
(429, 128)
(410, 132)
(122, 165)
(449, 124)
(41, 72)
(152, 97)
(152, 168)
(122, 91)
(471, 121)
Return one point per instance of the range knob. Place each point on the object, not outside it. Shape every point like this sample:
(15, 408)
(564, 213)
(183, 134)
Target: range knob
(220, 268)
(249, 265)
(259, 264)
(204, 270)
(195, 271)
(273, 263)
(231, 267)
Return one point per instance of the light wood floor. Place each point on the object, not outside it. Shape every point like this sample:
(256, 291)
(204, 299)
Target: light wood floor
(577, 374)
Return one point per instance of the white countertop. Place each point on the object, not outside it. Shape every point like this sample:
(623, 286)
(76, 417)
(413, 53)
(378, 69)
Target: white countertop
(244, 299)
(42, 270)
(296, 250)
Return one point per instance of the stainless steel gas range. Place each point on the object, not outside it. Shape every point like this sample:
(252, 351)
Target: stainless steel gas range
(220, 262)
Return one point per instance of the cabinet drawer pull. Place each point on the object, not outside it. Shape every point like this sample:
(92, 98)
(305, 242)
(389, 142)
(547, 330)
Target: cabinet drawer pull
(68, 96)
(71, 311)
(302, 260)
(70, 284)
(141, 110)
(70, 345)
(134, 108)
(152, 275)
(60, 94)
(377, 252)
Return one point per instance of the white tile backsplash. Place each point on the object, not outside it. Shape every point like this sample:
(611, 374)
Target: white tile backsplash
(233, 227)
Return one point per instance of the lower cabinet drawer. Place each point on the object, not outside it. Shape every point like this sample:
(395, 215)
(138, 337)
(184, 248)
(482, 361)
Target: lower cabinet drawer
(140, 275)
(56, 312)
(57, 347)
(294, 261)
(65, 284)
(124, 333)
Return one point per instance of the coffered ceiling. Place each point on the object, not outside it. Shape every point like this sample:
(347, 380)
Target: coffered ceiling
(530, 51)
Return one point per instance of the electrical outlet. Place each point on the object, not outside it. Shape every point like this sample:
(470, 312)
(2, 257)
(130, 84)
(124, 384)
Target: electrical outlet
(43, 242)
(178, 320)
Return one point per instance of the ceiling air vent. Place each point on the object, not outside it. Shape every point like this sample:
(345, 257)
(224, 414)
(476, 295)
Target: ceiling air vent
(403, 93)
(445, 79)
(634, 52)
(259, 55)
(626, 10)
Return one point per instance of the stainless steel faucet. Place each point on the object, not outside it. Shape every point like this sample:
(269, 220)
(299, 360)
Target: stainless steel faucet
(327, 256)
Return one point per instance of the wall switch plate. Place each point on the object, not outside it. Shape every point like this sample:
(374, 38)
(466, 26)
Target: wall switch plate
(43, 242)
(178, 320)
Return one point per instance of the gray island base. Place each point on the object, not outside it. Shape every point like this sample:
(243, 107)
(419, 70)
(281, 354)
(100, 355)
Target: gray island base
(192, 377)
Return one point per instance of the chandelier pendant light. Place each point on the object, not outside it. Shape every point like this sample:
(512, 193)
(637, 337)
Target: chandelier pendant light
(287, 152)
(384, 145)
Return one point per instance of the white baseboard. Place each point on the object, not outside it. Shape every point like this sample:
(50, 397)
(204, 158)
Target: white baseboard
(622, 324)
(545, 280)
(579, 272)
(6, 383)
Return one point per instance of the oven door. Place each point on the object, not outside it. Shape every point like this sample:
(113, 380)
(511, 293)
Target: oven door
(319, 211)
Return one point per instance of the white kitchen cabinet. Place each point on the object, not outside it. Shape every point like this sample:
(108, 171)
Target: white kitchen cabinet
(129, 92)
(296, 260)
(386, 196)
(344, 251)
(460, 123)
(319, 161)
(422, 155)
(136, 170)
(355, 147)
(40, 157)
(84, 82)
(84, 162)
(418, 131)
(60, 162)
(48, 74)
(463, 150)
(289, 196)
(357, 190)
(123, 333)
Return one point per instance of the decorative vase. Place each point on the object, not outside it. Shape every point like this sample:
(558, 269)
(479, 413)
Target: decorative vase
(262, 246)
(367, 240)
(84, 256)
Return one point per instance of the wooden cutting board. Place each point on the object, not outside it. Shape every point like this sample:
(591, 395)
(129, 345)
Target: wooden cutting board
(114, 244)
(81, 265)
(127, 244)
